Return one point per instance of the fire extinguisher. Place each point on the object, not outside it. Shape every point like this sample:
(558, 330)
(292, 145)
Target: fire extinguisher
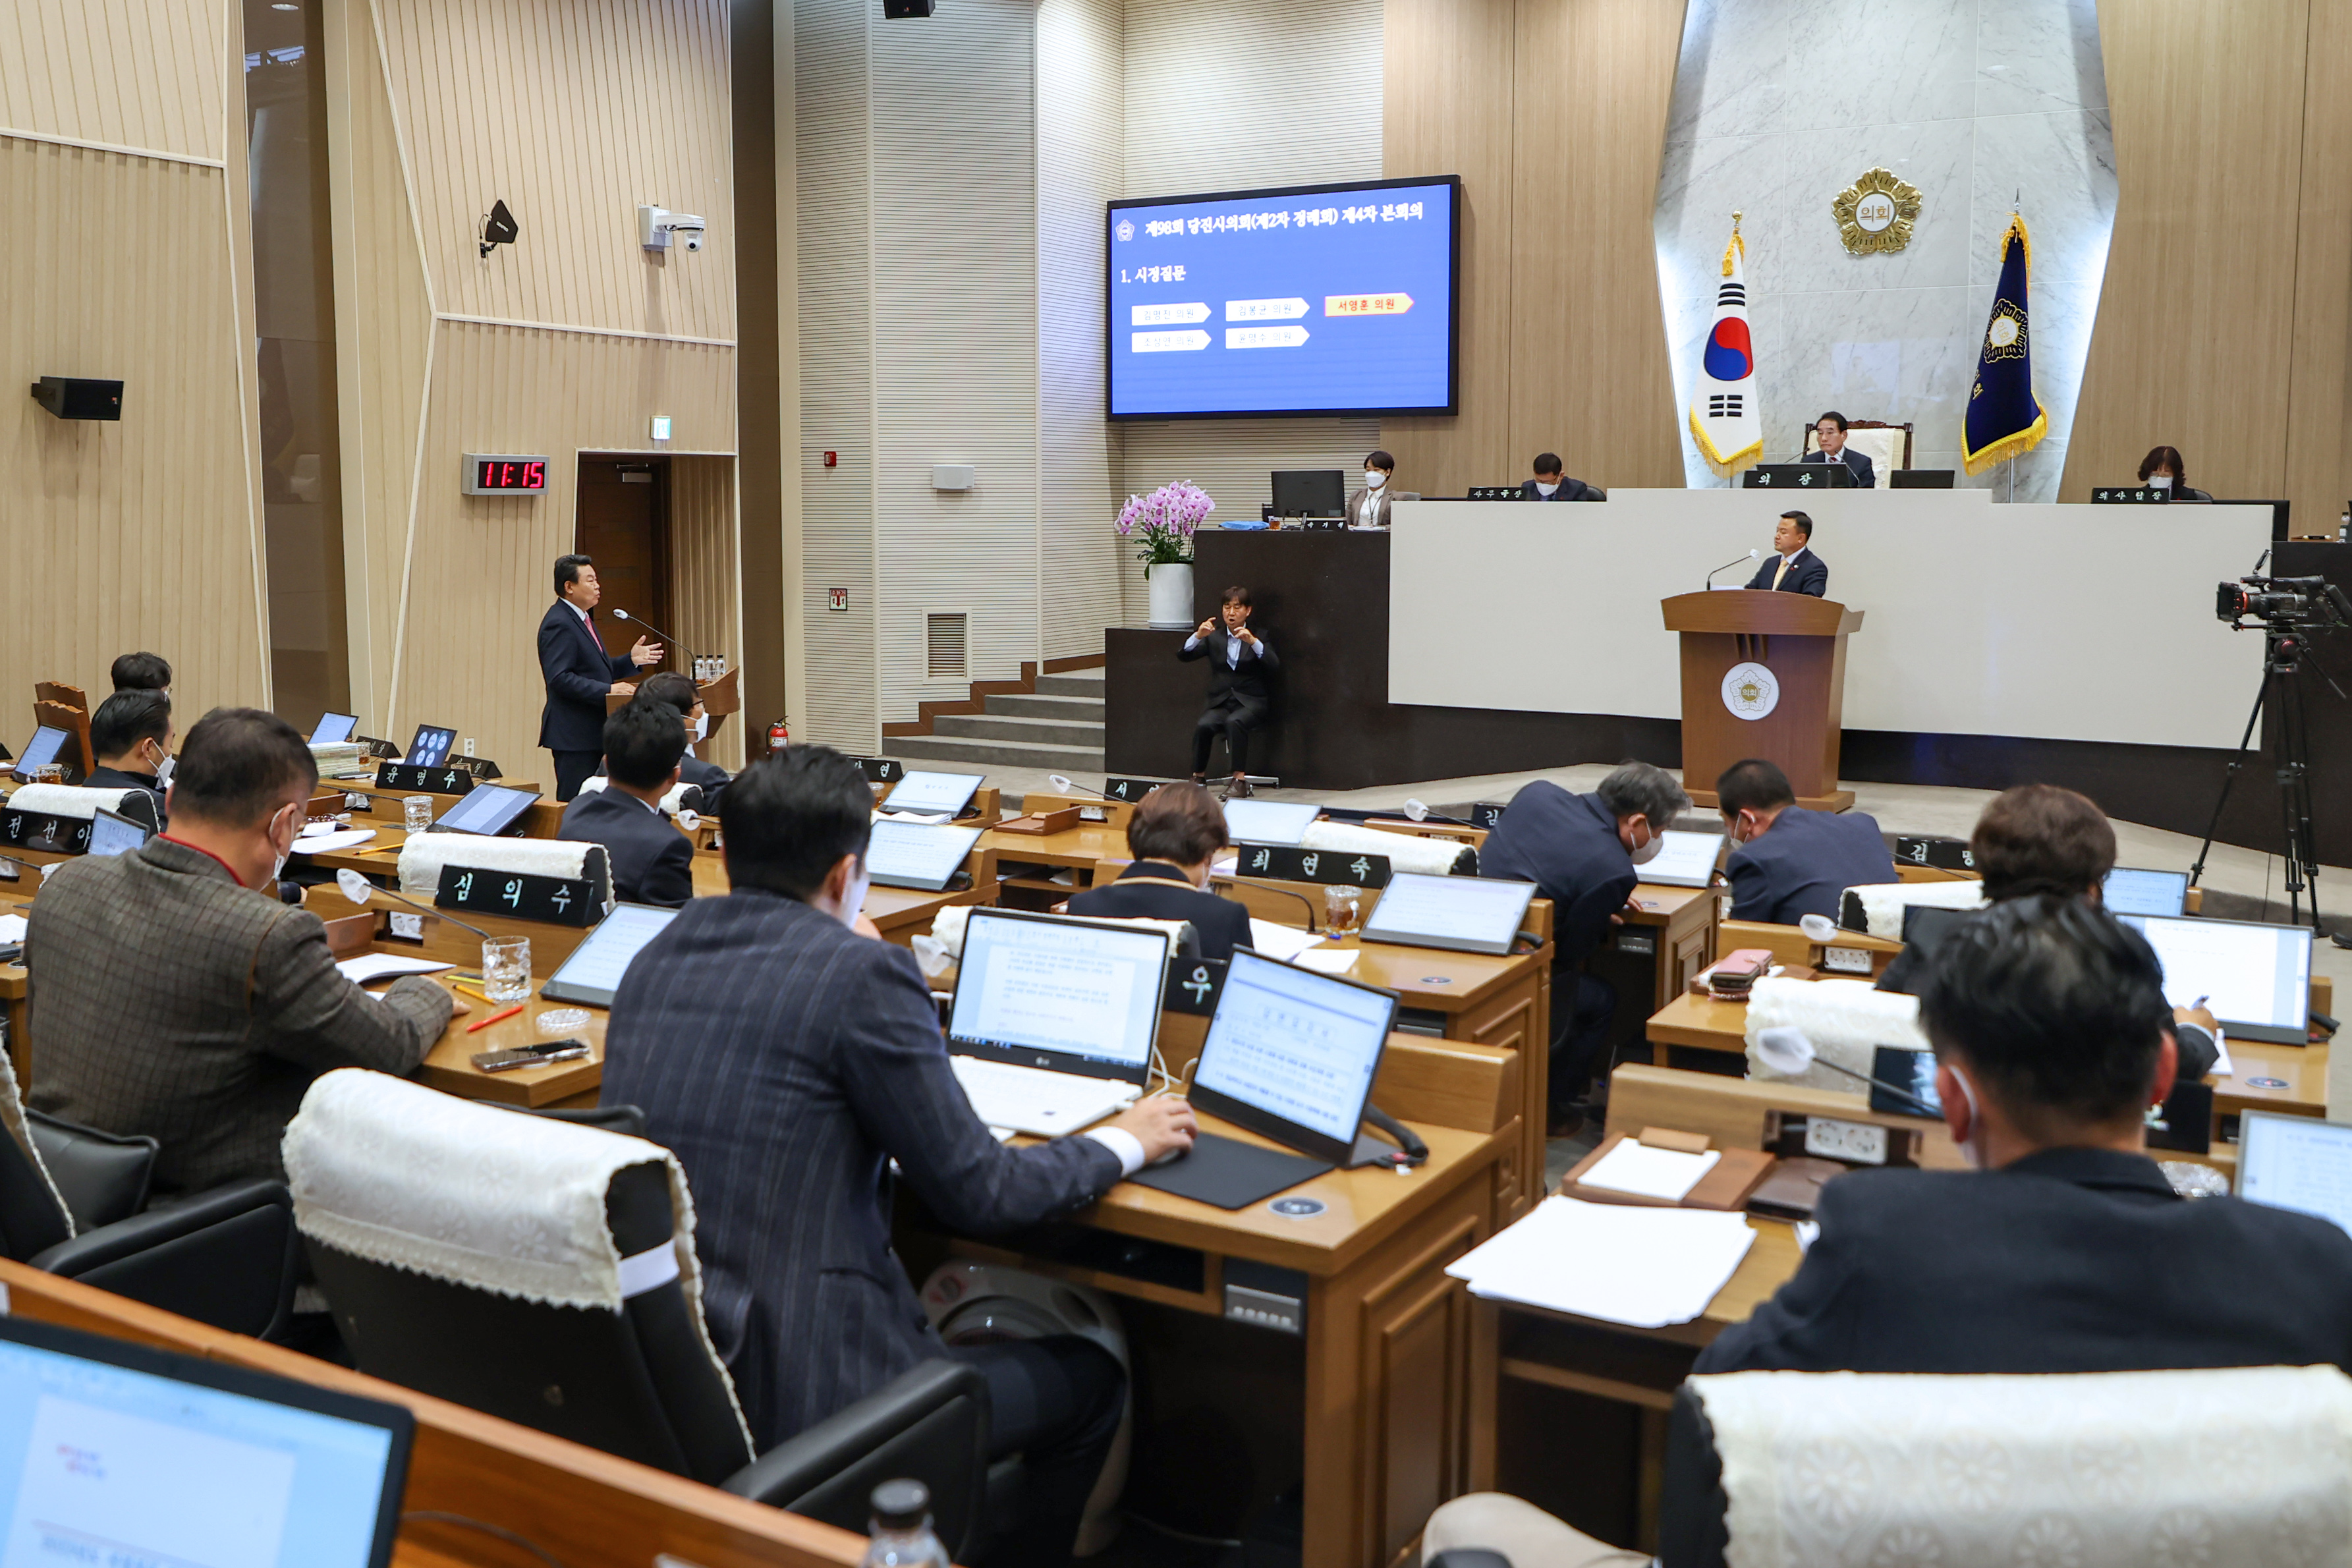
(779, 737)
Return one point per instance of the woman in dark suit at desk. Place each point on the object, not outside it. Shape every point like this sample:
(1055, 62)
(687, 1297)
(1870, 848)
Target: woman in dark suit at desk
(2163, 468)
(1173, 835)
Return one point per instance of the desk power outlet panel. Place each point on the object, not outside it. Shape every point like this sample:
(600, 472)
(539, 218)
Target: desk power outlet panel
(1266, 1296)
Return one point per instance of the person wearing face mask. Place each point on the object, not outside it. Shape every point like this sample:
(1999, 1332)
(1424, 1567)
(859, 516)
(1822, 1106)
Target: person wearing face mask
(678, 692)
(1789, 862)
(1582, 852)
(2163, 470)
(1368, 507)
(175, 999)
(1550, 484)
(131, 734)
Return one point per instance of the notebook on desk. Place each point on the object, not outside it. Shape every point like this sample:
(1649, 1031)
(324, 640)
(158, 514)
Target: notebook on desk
(1054, 1020)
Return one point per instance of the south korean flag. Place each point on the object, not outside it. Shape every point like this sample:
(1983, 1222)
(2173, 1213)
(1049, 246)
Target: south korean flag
(1724, 418)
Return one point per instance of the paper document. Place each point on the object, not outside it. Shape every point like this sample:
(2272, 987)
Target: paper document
(1281, 943)
(370, 966)
(1327, 959)
(12, 927)
(913, 817)
(2223, 1065)
(1644, 1267)
(331, 843)
(1665, 1173)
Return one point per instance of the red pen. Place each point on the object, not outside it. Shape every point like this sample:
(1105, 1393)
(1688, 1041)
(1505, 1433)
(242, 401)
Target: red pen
(495, 1017)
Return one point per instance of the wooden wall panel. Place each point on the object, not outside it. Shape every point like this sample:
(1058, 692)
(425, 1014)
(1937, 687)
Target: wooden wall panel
(142, 532)
(2196, 324)
(2319, 376)
(1447, 108)
(131, 73)
(705, 579)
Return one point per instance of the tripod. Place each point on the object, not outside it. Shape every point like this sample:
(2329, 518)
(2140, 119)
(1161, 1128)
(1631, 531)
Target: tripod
(2282, 656)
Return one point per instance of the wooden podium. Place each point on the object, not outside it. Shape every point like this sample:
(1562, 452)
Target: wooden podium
(1763, 676)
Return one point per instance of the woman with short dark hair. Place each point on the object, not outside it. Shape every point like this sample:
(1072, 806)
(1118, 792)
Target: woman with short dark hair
(2163, 470)
(1174, 834)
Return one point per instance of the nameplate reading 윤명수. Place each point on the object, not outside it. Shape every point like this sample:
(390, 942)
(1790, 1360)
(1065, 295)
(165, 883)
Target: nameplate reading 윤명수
(416, 776)
(558, 901)
(1293, 865)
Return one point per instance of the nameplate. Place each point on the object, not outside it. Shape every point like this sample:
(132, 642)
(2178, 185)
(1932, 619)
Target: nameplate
(1948, 854)
(558, 901)
(1288, 865)
(2136, 495)
(49, 834)
(1488, 814)
(882, 769)
(1128, 790)
(1193, 986)
(1497, 492)
(416, 776)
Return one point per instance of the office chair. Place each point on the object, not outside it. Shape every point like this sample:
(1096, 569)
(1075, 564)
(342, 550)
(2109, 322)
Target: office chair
(73, 1204)
(524, 1316)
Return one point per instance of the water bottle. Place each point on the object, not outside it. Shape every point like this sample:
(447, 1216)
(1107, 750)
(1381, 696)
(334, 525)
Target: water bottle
(902, 1534)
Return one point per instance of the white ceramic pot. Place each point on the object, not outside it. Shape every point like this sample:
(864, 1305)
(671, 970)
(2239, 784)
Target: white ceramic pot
(1172, 596)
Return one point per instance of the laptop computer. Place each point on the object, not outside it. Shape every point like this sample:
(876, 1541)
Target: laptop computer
(1464, 914)
(912, 854)
(1687, 860)
(2297, 1163)
(429, 747)
(2130, 890)
(487, 809)
(334, 729)
(2256, 978)
(121, 1453)
(593, 973)
(43, 749)
(933, 794)
(111, 833)
(1291, 1056)
(1055, 1019)
(1276, 822)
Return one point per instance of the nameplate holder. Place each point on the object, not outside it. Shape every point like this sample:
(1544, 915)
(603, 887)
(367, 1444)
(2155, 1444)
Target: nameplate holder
(520, 895)
(1497, 492)
(1193, 986)
(882, 769)
(1947, 854)
(1282, 864)
(1128, 790)
(1487, 814)
(2131, 495)
(47, 835)
(416, 776)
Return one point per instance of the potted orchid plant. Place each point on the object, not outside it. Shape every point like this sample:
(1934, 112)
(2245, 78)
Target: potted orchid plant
(1164, 522)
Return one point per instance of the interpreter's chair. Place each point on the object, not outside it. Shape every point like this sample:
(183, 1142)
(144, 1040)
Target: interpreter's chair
(1888, 447)
(73, 1203)
(544, 1272)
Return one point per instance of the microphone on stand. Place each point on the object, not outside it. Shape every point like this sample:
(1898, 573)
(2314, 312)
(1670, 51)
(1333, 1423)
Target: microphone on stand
(641, 621)
(1751, 556)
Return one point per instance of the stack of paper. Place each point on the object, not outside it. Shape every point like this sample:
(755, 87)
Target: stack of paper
(12, 927)
(1644, 1267)
(332, 843)
(1281, 943)
(369, 967)
(1666, 1175)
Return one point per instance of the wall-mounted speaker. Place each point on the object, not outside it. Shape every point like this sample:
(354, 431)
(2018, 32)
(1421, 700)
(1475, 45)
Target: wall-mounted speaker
(76, 398)
(898, 10)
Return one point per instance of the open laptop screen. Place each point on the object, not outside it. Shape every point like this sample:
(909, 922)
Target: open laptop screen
(1083, 995)
(1291, 1053)
(1466, 914)
(429, 747)
(2256, 978)
(933, 794)
(118, 1453)
(40, 750)
(1687, 860)
(487, 809)
(334, 729)
(111, 833)
(2297, 1163)
(593, 973)
(911, 855)
(1284, 823)
(2130, 890)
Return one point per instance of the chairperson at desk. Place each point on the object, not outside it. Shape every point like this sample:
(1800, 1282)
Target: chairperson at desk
(1829, 431)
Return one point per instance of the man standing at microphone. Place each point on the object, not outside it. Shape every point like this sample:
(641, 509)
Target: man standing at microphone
(579, 675)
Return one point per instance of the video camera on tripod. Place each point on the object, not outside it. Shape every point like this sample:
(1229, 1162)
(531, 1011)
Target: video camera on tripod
(2283, 604)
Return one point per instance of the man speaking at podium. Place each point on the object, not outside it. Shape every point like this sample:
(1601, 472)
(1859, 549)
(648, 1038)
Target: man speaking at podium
(579, 675)
(1798, 569)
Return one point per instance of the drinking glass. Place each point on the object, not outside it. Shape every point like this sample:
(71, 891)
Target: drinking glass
(418, 812)
(50, 773)
(1343, 909)
(506, 969)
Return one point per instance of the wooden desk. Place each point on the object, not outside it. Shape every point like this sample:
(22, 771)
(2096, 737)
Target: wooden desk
(449, 1065)
(585, 1508)
(1685, 921)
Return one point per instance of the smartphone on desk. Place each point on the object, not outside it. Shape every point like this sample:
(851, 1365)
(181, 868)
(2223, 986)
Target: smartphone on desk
(531, 1056)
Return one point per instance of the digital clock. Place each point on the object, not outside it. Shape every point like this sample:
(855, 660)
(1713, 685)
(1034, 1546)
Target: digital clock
(487, 474)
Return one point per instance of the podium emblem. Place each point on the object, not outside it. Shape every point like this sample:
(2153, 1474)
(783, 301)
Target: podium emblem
(1750, 690)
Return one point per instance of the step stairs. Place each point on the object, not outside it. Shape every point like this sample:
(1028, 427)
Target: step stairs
(1057, 728)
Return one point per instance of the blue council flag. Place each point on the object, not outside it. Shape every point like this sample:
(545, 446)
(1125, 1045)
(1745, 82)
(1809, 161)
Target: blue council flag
(2005, 420)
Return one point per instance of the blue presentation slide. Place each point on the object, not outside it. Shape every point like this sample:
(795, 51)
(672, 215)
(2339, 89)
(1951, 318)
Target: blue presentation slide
(1338, 300)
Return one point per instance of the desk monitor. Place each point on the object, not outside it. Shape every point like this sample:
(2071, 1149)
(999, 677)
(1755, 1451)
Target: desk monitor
(1068, 996)
(1798, 477)
(1465, 914)
(1904, 1081)
(487, 809)
(2130, 890)
(1275, 821)
(119, 1453)
(593, 973)
(2297, 1163)
(1309, 493)
(1291, 1053)
(1687, 860)
(429, 747)
(910, 855)
(334, 729)
(40, 750)
(933, 794)
(2256, 978)
(111, 833)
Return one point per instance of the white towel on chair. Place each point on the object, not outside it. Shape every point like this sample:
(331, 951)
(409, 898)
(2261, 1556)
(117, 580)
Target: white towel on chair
(1883, 903)
(422, 857)
(1844, 1018)
(68, 800)
(1406, 851)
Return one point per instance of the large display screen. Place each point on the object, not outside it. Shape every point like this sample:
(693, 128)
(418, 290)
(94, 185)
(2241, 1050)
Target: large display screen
(1321, 300)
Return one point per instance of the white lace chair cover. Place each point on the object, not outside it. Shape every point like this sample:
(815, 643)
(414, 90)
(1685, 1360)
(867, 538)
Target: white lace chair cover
(1406, 851)
(12, 1119)
(423, 855)
(77, 801)
(1883, 903)
(1844, 1018)
(2229, 1468)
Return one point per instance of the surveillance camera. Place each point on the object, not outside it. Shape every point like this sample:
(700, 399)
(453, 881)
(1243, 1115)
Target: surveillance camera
(656, 224)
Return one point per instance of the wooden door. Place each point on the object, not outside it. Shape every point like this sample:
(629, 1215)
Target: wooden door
(623, 526)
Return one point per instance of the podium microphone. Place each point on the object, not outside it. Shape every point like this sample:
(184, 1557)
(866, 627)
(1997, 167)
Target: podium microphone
(640, 621)
(1751, 556)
